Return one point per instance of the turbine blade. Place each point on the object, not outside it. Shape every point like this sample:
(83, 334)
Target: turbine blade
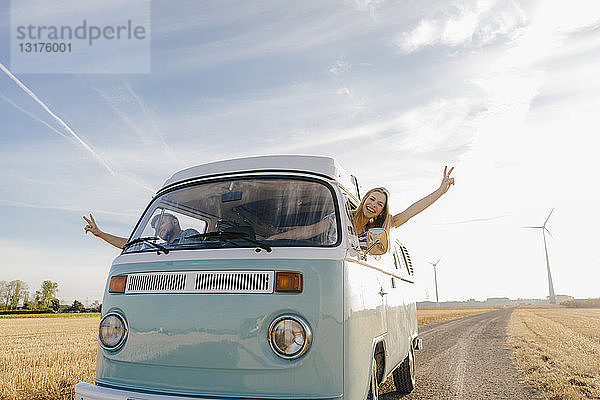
(548, 216)
(546, 229)
(533, 227)
(436, 263)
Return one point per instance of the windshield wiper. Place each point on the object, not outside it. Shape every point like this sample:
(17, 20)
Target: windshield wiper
(228, 236)
(148, 240)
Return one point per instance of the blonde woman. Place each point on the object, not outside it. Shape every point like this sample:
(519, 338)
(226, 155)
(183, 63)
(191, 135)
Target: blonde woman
(373, 212)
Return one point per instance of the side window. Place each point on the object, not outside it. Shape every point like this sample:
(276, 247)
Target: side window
(406, 258)
(350, 207)
(402, 262)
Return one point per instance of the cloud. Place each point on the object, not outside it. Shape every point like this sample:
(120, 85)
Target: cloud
(46, 206)
(477, 23)
(291, 32)
(369, 5)
(339, 67)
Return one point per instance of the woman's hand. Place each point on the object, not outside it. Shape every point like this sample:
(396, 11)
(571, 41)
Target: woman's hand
(425, 202)
(92, 227)
(447, 181)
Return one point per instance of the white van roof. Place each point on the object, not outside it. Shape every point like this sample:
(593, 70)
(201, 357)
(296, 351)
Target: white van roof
(319, 165)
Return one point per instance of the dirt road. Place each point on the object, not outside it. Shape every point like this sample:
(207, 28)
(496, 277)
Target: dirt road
(466, 358)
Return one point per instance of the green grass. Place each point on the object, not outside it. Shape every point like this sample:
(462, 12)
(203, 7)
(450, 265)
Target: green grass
(47, 315)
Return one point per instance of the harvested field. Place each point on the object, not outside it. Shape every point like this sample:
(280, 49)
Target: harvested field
(50, 315)
(558, 350)
(43, 358)
(427, 315)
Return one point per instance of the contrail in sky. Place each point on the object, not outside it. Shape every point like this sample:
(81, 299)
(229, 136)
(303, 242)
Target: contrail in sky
(166, 147)
(32, 116)
(468, 221)
(57, 118)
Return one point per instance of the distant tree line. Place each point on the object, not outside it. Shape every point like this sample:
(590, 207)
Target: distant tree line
(15, 295)
(581, 303)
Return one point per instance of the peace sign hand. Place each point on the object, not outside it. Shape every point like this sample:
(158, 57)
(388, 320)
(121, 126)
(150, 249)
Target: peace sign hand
(447, 181)
(92, 227)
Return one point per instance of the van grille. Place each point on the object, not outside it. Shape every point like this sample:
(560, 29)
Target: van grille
(234, 281)
(201, 282)
(156, 282)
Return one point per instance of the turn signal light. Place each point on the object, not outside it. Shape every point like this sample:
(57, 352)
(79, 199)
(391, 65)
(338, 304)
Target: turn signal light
(117, 284)
(288, 282)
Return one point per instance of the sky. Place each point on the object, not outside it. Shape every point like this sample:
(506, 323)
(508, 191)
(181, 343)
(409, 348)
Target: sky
(507, 92)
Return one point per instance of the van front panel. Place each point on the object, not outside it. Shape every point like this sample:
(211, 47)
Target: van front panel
(216, 343)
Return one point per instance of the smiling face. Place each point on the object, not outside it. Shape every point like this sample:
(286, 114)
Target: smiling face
(374, 204)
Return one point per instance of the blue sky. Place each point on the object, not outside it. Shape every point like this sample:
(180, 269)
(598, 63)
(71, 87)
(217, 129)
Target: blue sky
(506, 91)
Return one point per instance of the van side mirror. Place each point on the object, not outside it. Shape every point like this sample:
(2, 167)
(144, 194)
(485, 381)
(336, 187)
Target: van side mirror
(377, 241)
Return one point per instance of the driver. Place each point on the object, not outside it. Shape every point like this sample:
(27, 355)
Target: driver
(167, 228)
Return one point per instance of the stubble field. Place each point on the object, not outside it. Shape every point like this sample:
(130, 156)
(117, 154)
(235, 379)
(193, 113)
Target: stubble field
(43, 358)
(558, 350)
(427, 315)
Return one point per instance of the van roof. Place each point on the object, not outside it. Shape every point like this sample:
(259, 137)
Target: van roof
(319, 165)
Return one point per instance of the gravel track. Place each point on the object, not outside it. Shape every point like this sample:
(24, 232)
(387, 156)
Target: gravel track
(466, 358)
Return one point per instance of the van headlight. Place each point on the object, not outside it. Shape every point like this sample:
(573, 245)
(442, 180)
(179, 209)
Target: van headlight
(289, 336)
(112, 331)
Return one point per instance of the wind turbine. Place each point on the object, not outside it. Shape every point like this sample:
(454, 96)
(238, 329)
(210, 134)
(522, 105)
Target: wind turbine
(544, 230)
(437, 299)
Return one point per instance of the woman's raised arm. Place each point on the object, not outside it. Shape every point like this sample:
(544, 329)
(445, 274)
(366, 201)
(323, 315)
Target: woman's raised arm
(426, 201)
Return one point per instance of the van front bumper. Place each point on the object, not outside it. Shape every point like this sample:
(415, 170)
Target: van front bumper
(86, 391)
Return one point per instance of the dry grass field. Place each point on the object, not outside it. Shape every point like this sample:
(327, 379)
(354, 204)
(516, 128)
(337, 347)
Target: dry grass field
(427, 315)
(43, 358)
(558, 350)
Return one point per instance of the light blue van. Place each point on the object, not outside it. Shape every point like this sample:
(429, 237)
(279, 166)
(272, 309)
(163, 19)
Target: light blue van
(202, 304)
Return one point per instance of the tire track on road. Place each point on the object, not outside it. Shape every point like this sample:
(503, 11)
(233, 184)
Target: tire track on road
(467, 358)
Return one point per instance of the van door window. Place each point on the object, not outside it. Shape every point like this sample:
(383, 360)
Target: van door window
(352, 236)
(403, 254)
(402, 262)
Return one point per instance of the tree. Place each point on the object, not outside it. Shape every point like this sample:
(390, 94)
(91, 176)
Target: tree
(19, 291)
(96, 306)
(4, 293)
(54, 304)
(48, 293)
(77, 306)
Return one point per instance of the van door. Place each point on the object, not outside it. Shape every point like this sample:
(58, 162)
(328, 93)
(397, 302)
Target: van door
(368, 282)
(396, 312)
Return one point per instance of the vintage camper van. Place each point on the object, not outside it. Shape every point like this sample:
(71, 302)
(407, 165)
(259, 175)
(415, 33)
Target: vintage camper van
(206, 302)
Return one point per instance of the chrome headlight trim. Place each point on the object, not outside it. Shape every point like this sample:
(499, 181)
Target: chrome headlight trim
(120, 317)
(307, 336)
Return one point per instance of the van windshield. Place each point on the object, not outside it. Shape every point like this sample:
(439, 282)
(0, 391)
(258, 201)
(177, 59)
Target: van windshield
(240, 213)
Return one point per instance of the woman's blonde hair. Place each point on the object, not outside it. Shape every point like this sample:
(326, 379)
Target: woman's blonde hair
(383, 220)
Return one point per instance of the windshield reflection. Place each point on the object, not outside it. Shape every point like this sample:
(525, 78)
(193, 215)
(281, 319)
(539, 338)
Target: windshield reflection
(238, 213)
